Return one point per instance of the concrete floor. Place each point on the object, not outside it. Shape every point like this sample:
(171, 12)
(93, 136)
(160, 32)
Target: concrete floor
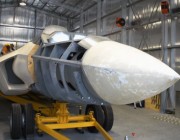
(127, 121)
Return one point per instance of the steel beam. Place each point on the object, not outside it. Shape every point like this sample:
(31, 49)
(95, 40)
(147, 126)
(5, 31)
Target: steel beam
(81, 22)
(8, 5)
(85, 10)
(86, 24)
(19, 26)
(172, 90)
(14, 14)
(75, 9)
(47, 12)
(98, 23)
(0, 14)
(10, 40)
(130, 19)
(55, 9)
(159, 48)
(32, 2)
(163, 105)
(35, 19)
(44, 5)
(124, 31)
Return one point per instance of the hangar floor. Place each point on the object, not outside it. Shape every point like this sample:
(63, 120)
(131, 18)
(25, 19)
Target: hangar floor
(140, 122)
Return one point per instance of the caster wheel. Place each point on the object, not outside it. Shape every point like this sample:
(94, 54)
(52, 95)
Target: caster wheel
(108, 117)
(98, 115)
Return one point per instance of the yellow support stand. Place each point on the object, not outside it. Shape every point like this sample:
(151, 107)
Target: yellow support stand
(58, 117)
(63, 120)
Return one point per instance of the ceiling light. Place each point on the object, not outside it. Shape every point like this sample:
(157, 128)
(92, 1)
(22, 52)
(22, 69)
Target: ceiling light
(22, 3)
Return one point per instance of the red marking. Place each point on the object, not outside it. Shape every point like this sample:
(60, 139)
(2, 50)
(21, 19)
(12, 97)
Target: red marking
(133, 134)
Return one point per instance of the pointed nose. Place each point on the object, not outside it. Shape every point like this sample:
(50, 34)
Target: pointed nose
(121, 74)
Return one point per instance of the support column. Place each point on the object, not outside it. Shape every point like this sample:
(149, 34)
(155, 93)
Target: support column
(35, 19)
(172, 90)
(130, 19)
(81, 22)
(164, 45)
(99, 14)
(124, 31)
(14, 16)
(0, 14)
(103, 20)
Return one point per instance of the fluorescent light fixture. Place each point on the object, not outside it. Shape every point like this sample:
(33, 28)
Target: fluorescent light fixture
(22, 3)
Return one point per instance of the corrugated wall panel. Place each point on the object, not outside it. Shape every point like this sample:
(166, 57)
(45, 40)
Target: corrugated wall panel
(90, 14)
(90, 29)
(7, 15)
(38, 34)
(148, 36)
(146, 10)
(110, 5)
(76, 23)
(23, 34)
(108, 23)
(16, 34)
(41, 18)
(115, 37)
(157, 54)
(6, 33)
(24, 17)
(177, 3)
(62, 23)
(18, 24)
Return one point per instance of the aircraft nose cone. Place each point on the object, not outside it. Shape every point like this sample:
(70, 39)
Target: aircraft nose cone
(121, 74)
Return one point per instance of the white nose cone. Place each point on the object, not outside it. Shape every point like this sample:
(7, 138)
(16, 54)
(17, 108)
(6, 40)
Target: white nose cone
(121, 74)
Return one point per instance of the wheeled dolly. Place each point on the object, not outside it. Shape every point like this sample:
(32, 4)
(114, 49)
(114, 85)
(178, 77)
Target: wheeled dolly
(49, 119)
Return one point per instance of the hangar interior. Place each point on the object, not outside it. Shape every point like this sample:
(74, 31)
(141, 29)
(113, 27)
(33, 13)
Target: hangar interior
(146, 28)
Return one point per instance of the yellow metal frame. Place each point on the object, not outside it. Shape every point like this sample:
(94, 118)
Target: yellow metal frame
(58, 117)
(39, 107)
